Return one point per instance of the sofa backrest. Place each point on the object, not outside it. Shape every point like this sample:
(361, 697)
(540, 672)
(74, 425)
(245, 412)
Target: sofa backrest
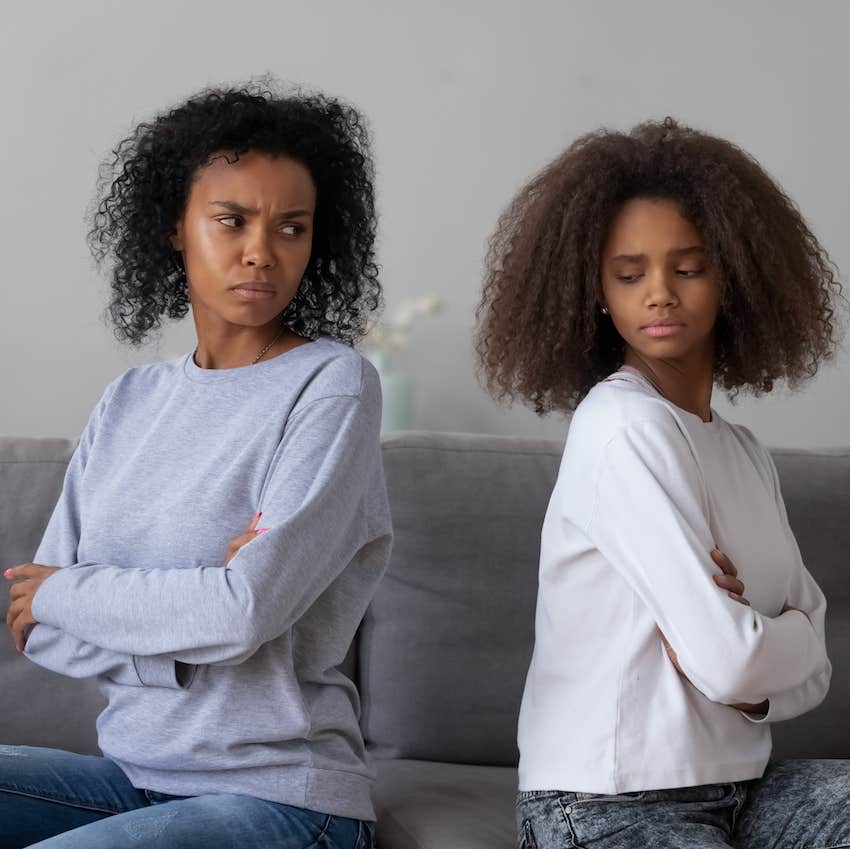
(446, 642)
(816, 490)
(37, 707)
(444, 647)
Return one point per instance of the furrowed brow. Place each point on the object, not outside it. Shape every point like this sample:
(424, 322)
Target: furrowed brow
(232, 206)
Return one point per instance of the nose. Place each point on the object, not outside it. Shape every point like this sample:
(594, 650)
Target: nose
(661, 290)
(258, 251)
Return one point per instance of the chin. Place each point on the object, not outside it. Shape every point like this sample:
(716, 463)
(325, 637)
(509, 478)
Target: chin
(251, 314)
(663, 350)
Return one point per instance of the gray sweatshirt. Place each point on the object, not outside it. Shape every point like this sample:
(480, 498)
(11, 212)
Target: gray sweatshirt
(224, 680)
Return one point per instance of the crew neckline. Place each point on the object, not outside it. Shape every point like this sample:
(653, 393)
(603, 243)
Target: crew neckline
(712, 425)
(219, 375)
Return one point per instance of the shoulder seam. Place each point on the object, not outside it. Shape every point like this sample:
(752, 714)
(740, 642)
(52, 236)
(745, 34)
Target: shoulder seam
(307, 406)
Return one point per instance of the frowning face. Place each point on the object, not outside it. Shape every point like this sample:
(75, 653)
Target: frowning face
(246, 236)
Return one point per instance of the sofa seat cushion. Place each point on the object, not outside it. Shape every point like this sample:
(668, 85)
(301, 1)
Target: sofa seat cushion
(434, 805)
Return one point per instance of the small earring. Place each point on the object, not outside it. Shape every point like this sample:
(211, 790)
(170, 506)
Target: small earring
(604, 310)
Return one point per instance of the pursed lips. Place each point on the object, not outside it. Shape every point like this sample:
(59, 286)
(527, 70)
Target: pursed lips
(663, 327)
(253, 291)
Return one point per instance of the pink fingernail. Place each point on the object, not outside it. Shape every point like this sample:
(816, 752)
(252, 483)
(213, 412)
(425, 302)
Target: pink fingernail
(256, 516)
(261, 530)
(7, 573)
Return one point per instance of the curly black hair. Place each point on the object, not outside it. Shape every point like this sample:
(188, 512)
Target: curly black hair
(144, 187)
(541, 336)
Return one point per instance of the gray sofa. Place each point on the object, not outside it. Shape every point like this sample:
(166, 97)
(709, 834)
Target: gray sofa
(441, 655)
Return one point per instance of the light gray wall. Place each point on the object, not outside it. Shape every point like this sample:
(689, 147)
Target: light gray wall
(466, 100)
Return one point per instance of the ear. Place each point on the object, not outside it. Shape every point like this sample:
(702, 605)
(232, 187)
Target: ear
(176, 238)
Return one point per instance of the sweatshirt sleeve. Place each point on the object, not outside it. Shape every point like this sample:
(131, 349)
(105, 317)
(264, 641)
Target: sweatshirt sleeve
(803, 594)
(317, 504)
(649, 521)
(54, 648)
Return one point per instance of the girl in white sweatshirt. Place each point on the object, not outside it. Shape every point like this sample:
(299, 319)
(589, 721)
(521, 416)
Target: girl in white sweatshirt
(675, 617)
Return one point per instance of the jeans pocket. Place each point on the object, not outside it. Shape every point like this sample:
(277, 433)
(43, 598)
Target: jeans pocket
(365, 836)
(633, 796)
(703, 795)
(527, 840)
(594, 818)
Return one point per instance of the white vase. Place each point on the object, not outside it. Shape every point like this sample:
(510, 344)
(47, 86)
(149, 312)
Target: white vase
(397, 412)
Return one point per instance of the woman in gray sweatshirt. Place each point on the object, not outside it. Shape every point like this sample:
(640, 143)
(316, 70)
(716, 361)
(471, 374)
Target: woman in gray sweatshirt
(224, 521)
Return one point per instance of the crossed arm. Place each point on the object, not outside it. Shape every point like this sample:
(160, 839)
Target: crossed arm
(137, 625)
(28, 577)
(729, 651)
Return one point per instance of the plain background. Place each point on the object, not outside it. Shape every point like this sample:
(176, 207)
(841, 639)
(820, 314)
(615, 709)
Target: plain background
(466, 101)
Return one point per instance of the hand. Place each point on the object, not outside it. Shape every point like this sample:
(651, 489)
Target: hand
(251, 532)
(28, 577)
(729, 579)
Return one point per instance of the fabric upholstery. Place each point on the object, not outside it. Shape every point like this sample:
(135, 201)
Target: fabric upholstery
(423, 805)
(37, 707)
(816, 489)
(446, 642)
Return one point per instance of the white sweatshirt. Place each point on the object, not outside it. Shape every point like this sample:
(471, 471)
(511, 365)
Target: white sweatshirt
(645, 490)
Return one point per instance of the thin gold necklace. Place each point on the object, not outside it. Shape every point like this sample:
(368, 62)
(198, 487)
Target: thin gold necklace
(279, 333)
(257, 358)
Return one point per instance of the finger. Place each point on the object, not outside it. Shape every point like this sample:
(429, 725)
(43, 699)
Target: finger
(253, 523)
(21, 589)
(729, 582)
(25, 636)
(19, 626)
(13, 613)
(739, 598)
(237, 542)
(723, 562)
(14, 610)
(28, 570)
(243, 539)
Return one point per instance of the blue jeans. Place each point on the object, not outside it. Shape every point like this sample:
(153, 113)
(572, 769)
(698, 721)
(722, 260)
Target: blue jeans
(59, 800)
(796, 804)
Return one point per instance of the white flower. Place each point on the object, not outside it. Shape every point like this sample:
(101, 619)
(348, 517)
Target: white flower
(391, 334)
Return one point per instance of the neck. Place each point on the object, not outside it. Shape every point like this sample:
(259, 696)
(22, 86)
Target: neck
(223, 345)
(687, 383)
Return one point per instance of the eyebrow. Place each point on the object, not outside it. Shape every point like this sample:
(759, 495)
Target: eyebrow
(232, 206)
(693, 249)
